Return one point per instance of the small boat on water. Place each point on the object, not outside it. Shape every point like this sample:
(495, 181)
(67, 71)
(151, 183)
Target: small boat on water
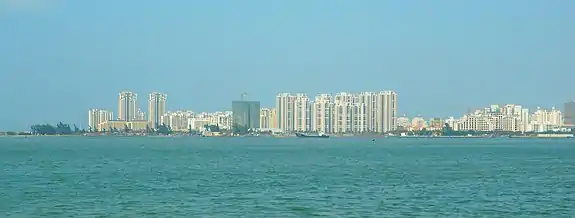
(303, 135)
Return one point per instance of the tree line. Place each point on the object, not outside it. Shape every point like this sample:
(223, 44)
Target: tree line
(59, 129)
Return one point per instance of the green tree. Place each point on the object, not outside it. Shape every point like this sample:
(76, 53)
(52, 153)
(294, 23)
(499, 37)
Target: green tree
(164, 130)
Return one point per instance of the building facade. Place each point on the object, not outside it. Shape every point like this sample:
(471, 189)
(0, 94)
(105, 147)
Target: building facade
(98, 116)
(268, 118)
(302, 113)
(127, 110)
(386, 111)
(285, 104)
(245, 116)
(156, 108)
(321, 113)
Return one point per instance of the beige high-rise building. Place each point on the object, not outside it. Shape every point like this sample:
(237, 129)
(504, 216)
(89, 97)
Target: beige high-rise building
(156, 108)
(268, 118)
(302, 113)
(265, 115)
(386, 111)
(520, 114)
(285, 111)
(127, 110)
(273, 118)
(97, 117)
(321, 110)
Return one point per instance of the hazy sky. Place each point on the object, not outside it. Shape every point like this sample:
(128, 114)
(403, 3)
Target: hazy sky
(59, 58)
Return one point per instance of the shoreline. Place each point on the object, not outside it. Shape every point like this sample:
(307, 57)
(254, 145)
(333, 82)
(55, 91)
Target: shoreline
(543, 136)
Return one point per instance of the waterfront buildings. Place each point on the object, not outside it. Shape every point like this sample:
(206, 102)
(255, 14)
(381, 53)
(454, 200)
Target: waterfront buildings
(121, 125)
(98, 116)
(156, 108)
(386, 111)
(342, 113)
(127, 110)
(183, 121)
(543, 120)
(268, 119)
(285, 111)
(321, 113)
(403, 123)
(246, 116)
(302, 112)
(509, 118)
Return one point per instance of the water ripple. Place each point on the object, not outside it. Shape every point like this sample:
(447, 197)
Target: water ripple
(190, 177)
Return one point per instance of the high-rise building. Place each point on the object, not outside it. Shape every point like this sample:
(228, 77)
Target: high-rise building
(267, 118)
(359, 118)
(302, 113)
(569, 114)
(127, 110)
(285, 104)
(97, 117)
(341, 117)
(348, 114)
(386, 108)
(245, 116)
(273, 118)
(321, 113)
(343, 113)
(156, 108)
(369, 100)
(543, 120)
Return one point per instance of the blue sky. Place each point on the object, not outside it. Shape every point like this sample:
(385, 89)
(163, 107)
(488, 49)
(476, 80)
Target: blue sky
(60, 57)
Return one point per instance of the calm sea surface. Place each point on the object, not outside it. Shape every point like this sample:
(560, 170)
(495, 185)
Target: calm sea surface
(262, 177)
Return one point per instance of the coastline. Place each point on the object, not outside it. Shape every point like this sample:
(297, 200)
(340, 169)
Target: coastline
(539, 136)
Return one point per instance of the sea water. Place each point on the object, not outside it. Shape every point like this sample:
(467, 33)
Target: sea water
(288, 177)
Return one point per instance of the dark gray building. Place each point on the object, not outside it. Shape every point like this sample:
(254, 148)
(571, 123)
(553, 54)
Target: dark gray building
(569, 114)
(245, 116)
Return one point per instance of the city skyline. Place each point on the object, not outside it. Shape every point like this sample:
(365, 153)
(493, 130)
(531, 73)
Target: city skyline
(341, 112)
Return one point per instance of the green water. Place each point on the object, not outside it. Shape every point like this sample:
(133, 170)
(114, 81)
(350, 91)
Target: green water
(258, 177)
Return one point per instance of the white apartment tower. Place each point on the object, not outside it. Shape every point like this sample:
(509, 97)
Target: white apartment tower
(321, 110)
(156, 108)
(369, 100)
(341, 117)
(348, 114)
(359, 118)
(285, 103)
(520, 114)
(386, 111)
(127, 110)
(98, 116)
(302, 113)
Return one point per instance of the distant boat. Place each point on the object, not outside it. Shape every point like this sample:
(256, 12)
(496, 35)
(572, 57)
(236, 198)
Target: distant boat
(303, 135)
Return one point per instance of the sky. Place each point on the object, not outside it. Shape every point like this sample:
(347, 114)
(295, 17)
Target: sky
(58, 58)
